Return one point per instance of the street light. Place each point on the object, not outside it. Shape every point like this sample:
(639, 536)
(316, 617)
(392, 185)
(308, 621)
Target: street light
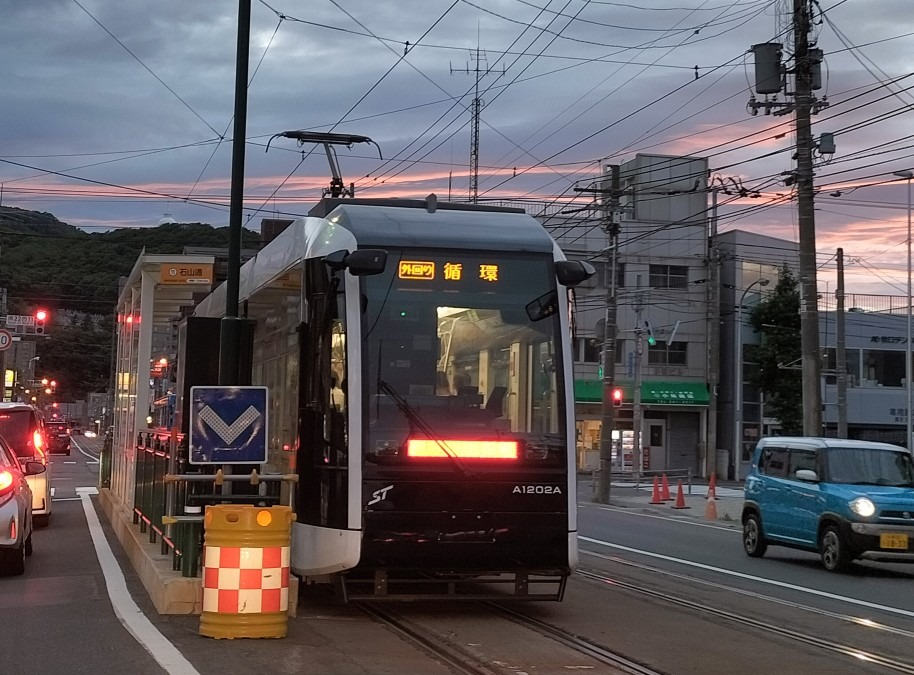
(738, 380)
(908, 175)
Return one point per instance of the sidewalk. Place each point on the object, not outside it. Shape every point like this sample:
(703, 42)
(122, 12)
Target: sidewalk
(728, 505)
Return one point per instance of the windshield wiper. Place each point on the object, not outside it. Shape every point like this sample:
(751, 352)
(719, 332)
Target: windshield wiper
(416, 420)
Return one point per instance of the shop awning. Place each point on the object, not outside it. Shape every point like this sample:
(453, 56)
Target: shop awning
(652, 392)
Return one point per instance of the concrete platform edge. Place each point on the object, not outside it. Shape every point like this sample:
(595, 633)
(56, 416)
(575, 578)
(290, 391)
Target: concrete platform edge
(169, 592)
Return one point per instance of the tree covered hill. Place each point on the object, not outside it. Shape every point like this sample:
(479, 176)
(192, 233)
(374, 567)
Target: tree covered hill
(50, 264)
(44, 262)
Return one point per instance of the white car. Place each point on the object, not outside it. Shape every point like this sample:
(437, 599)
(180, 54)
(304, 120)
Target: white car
(22, 428)
(15, 510)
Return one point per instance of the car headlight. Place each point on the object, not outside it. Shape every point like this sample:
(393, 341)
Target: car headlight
(863, 507)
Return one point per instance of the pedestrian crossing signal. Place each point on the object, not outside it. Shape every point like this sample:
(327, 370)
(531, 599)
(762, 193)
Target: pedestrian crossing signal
(617, 398)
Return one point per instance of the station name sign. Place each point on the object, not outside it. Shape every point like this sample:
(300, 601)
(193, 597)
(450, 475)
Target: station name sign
(186, 273)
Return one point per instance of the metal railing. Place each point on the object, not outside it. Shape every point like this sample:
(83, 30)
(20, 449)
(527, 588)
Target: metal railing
(638, 478)
(170, 495)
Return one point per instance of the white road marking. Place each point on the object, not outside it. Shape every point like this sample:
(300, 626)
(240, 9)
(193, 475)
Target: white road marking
(751, 577)
(127, 611)
(72, 461)
(53, 490)
(87, 454)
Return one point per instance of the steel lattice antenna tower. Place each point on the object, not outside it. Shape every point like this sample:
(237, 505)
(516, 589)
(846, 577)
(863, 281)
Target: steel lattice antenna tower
(475, 111)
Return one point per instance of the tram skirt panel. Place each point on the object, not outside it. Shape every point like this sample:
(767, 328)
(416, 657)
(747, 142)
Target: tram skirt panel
(246, 571)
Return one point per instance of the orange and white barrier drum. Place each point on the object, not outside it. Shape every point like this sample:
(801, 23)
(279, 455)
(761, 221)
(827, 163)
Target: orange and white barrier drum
(246, 571)
(246, 580)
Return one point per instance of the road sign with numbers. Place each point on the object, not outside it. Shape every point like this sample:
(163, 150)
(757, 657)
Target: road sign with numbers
(6, 339)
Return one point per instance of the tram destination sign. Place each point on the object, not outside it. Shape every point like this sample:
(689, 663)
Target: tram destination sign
(228, 425)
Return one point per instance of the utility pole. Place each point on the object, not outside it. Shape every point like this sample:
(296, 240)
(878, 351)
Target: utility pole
(636, 404)
(611, 220)
(230, 327)
(770, 80)
(809, 313)
(840, 349)
(713, 297)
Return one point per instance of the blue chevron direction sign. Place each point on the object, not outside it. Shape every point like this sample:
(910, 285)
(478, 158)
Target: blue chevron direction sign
(228, 425)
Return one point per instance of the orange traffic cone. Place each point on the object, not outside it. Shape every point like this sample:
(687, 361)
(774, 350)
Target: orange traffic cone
(711, 509)
(712, 487)
(665, 490)
(655, 496)
(680, 499)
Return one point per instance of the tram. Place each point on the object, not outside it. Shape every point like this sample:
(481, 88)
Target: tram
(418, 361)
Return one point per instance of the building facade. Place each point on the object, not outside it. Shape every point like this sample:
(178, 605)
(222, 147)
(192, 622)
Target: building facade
(661, 291)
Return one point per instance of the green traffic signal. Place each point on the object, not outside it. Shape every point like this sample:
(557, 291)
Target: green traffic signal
(651, 341)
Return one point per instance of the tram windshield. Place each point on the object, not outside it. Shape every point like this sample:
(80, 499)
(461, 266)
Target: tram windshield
(463, 347)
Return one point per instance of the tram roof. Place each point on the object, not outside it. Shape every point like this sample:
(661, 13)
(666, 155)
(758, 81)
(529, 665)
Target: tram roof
(336, 224)
(448, 226)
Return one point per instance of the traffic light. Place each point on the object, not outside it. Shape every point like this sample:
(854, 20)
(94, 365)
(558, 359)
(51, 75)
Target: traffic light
(651, 340)
(40, 317)
(617, 398)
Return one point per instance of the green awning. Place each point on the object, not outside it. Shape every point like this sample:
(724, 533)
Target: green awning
(652, 392)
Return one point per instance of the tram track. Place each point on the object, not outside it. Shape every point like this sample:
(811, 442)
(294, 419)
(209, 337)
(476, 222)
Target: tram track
(576, 642)
(457, 659)
(463, 661)
(856, 654)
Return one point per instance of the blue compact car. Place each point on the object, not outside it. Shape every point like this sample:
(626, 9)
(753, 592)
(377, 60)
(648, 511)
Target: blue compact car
(845, 499)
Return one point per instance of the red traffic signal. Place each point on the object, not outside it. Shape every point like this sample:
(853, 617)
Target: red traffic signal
(40, 317)
(617, 398)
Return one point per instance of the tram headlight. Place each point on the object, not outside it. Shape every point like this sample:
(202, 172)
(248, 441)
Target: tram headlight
(386, 447)
(535, 451)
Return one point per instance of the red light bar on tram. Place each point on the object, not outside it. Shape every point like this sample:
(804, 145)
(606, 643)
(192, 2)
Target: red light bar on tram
(461, 449)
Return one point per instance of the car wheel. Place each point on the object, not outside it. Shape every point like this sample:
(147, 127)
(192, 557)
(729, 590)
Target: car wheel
(13, 561)
(753, 538)
(835, 553)
(28, 545)
(42, 520)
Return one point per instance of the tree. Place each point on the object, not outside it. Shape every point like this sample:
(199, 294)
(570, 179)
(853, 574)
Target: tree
(778, 375)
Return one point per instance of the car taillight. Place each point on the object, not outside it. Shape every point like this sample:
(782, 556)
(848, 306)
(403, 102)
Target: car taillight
(6, 483)
(461, 449)
(38, 443)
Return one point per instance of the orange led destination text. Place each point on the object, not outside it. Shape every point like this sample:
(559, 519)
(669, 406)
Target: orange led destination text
(413, 269)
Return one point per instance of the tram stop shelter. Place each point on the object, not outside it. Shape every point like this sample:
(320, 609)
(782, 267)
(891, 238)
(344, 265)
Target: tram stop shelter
(160, 290)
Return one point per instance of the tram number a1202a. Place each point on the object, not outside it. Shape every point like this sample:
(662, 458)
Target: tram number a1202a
(536, 490)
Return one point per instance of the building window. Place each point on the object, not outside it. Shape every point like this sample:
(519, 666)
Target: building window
(669, 276)
(662, 354)
(590, 350)
(882, 368)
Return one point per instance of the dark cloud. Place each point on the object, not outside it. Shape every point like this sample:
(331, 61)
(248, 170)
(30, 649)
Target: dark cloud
(563, 85)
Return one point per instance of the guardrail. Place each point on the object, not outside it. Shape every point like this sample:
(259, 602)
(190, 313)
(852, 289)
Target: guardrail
(638, 477)
(188, 526)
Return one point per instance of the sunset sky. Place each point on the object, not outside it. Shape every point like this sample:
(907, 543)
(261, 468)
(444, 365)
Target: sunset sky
(115, 114)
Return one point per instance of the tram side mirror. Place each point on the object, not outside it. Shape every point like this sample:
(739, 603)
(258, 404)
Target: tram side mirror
(545, 305)
(361, 263)
(572, 272)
